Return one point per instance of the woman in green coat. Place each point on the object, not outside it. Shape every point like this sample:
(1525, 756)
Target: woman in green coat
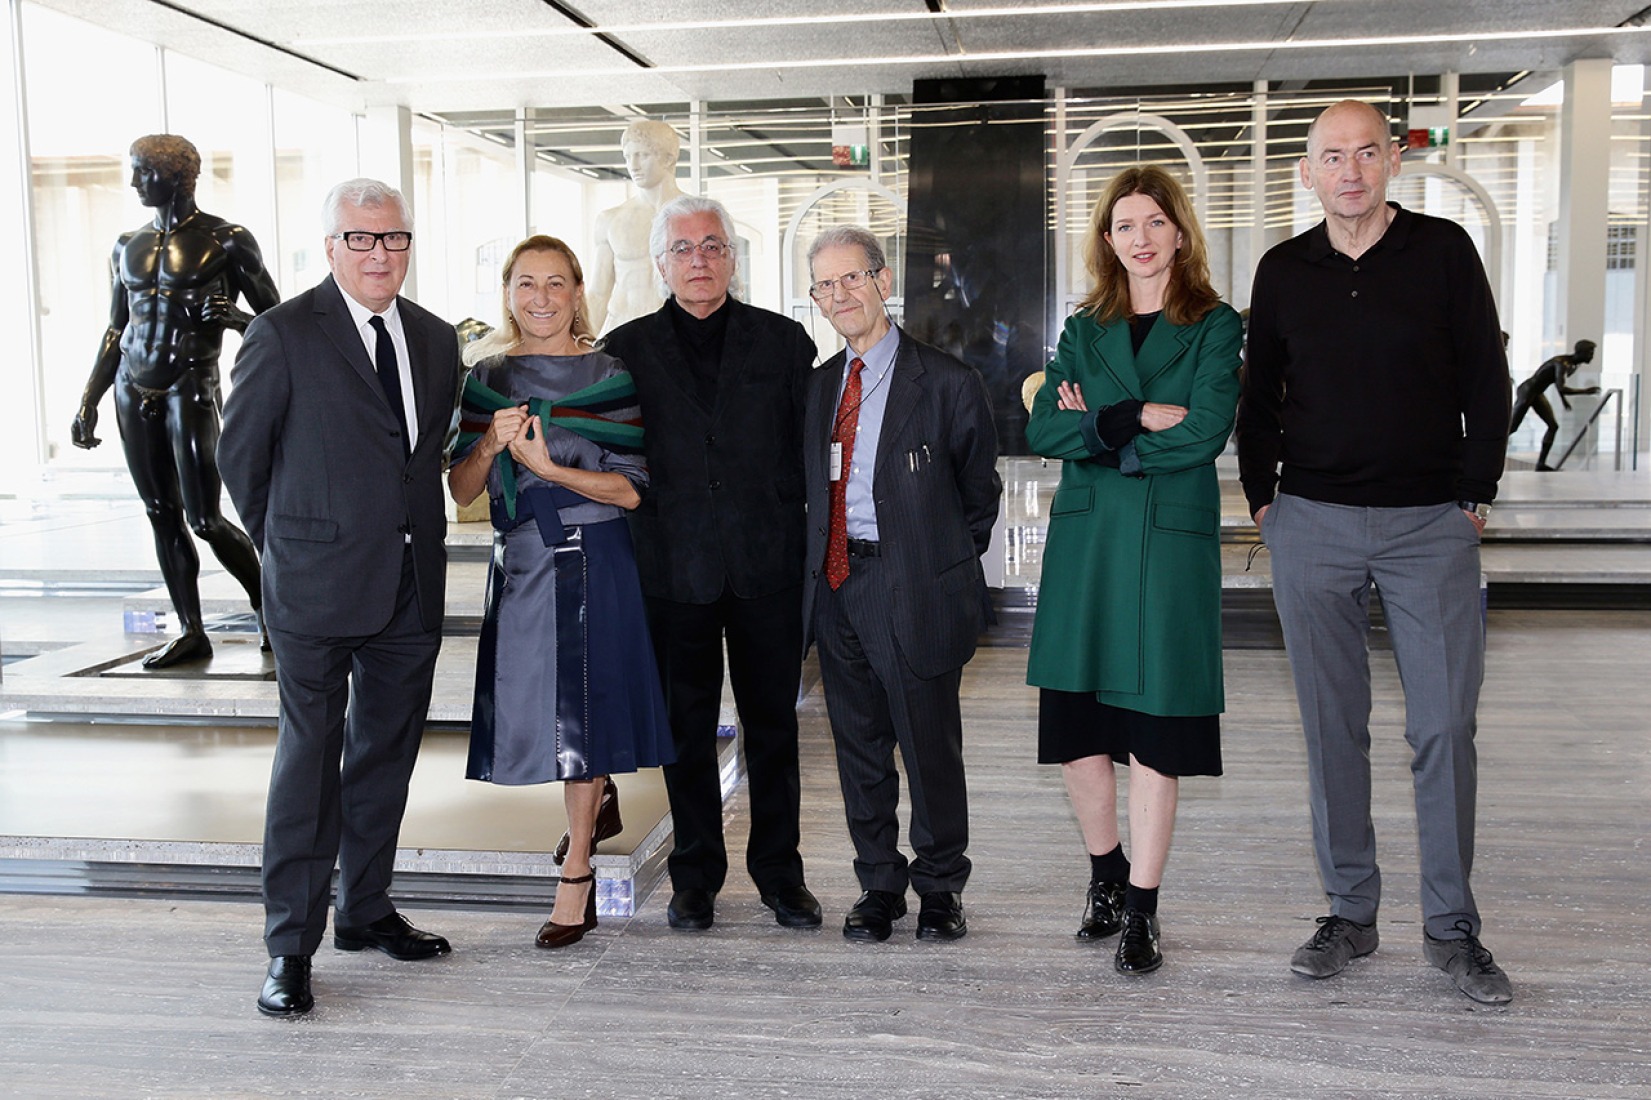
(1126, 646)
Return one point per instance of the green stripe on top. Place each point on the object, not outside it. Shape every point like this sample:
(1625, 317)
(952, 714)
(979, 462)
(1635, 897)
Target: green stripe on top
(583, 412)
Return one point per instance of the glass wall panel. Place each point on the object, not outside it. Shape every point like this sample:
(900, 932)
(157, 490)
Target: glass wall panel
(315, 148)
(468, 192)
(79, 132)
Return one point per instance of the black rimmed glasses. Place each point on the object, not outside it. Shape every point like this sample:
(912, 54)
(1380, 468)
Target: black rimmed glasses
(848, 280)
(360, 240)
(711, 248)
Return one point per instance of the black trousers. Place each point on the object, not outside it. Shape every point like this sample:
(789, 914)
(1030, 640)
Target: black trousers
(764, 636)
(877, 702)
(352, 717)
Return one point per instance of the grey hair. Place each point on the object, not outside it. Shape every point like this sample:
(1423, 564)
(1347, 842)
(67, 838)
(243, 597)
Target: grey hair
(361, 192)
(849, 236)
(683, 206)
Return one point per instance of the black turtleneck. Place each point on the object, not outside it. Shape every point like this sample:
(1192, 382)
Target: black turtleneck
(702, 346)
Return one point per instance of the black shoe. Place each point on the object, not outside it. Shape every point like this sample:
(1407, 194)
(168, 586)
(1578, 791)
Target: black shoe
(1138, 946)
(692, 908)
(608, 823)
(393, 936)
(1103, 912)
(940, 917)
(287, 987)
(873, 916)
(794, 906)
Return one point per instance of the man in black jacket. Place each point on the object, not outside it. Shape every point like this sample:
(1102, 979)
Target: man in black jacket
(719, 546)
(901, 461)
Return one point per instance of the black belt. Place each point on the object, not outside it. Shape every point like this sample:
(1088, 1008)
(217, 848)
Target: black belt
(864, 548)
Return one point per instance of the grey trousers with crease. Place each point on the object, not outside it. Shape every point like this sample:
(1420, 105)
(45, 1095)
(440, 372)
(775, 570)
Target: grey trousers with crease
(1424, 562)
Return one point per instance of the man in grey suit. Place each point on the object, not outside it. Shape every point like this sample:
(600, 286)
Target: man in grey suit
(900, 462)
(332, 451)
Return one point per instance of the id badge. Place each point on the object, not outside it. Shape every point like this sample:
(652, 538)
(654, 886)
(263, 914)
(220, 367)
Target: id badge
(836, 462)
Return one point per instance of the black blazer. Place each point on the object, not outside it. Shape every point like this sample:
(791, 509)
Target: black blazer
(724, 503)
(936, 490)
(311, 453)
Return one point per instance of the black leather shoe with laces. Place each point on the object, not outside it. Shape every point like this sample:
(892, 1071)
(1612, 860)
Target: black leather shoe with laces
(1138, 945)
(1103, 911)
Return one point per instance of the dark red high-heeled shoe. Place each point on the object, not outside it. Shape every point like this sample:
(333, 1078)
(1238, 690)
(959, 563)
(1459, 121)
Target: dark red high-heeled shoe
(553, 935)
(608, 824)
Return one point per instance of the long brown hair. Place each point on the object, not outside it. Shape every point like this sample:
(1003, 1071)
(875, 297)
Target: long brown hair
(507, 335)
(1190, 294)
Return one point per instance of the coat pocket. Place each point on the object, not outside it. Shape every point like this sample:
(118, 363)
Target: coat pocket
(304, 528)
(1073, 501)
(1184, 519)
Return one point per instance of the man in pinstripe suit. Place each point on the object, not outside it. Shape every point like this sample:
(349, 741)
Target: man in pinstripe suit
(900, 462)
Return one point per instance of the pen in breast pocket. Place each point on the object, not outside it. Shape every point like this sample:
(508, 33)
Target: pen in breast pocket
(926, 456)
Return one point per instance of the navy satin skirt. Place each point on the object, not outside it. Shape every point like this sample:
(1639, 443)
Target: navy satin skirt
(566, 683)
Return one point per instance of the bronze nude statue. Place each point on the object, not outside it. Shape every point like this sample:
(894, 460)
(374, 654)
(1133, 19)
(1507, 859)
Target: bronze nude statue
(1530, 397)
(176, 281)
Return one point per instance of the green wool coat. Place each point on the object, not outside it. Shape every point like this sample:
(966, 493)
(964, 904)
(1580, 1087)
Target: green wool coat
(1129, 606)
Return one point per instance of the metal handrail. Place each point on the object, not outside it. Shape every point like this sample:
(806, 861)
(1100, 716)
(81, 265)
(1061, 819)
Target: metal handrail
(1605, 399)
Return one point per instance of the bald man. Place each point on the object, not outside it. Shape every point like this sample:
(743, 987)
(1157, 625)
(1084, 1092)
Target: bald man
(1371, 434)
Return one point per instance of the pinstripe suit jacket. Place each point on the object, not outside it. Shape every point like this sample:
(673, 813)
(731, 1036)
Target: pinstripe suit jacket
(936, 491)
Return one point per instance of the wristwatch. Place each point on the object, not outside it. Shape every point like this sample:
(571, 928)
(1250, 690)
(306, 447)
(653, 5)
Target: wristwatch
(1480, 510)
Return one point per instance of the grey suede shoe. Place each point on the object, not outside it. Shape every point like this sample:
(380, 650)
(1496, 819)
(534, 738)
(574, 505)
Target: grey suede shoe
(1337, 942)
(1470, 966)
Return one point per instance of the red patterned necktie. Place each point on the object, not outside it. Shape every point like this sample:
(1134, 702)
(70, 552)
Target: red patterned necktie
(843, 430)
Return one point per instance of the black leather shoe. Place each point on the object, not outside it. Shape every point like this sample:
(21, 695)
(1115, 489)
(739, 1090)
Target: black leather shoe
(1138, 946)
(1103, 912)
(794, 906)
(287, 987)
(393, 936)
(873, 916)
(940, 917)
(692, 908)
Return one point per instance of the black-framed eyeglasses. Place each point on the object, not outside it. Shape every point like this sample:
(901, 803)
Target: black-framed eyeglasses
(848, 280)
(360, 240)
(711, 248)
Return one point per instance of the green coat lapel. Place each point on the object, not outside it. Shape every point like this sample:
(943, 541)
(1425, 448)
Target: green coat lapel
(1164, 346)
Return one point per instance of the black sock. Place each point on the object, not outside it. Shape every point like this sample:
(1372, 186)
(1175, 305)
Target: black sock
(1112, 867)
(1142, 899)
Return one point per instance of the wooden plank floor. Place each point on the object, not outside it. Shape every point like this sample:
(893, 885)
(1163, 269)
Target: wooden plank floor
(155, 998)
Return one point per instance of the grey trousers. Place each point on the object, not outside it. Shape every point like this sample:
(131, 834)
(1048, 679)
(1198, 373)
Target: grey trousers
(1425, 563)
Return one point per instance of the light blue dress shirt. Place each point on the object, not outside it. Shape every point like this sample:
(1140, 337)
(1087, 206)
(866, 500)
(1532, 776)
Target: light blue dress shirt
(875, 376)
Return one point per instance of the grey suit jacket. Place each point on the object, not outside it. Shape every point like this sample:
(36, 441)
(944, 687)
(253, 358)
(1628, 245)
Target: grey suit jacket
(311, 453)
(936, 492)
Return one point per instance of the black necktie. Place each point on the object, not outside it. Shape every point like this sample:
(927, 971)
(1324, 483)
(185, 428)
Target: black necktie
(389, 376)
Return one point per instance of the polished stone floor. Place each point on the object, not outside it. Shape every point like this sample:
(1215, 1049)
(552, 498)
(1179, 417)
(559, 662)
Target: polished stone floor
(108, 997)
(122, 996)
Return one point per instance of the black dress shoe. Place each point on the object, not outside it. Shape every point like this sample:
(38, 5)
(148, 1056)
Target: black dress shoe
(692, 908)
(393, 936)
(873, 916)
(1103, 912)
(287, 987)
(1138, 946)
(794, 906)
(940, 917)
(608, 823)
